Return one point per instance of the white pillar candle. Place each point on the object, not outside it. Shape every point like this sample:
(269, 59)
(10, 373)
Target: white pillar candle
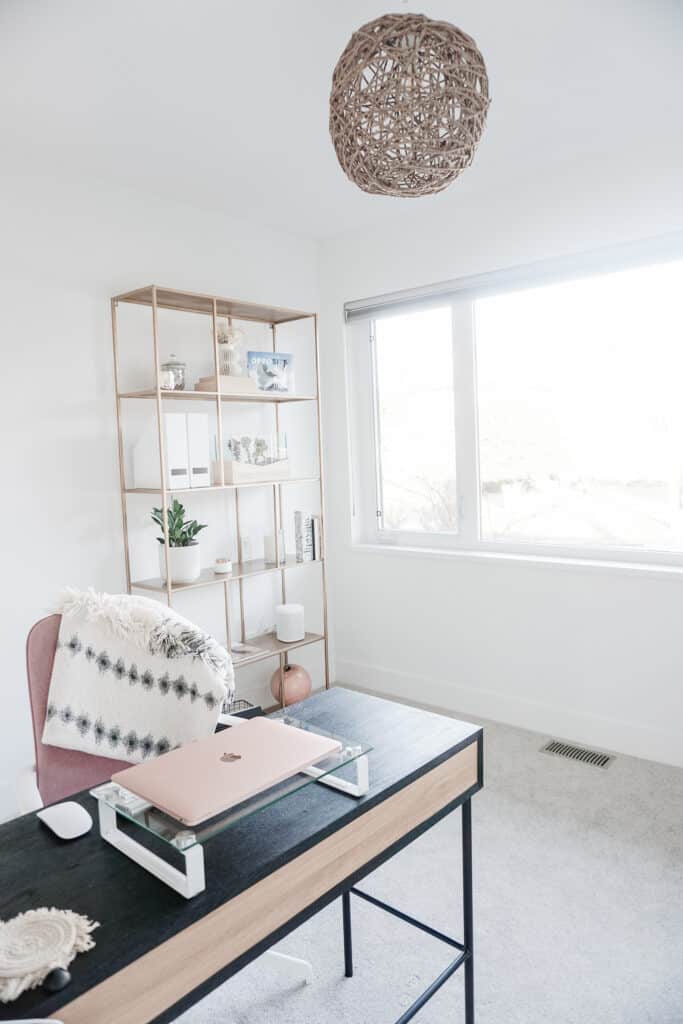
(289, 622)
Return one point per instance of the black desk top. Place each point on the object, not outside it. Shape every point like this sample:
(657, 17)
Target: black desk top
(137, 912)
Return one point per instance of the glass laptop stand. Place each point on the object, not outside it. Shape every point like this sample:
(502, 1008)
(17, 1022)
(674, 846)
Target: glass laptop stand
(162, 831)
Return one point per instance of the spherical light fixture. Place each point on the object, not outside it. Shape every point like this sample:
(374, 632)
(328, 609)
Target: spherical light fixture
(408, 105)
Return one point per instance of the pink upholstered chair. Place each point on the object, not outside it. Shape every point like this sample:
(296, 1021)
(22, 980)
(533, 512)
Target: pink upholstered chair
(58, 773)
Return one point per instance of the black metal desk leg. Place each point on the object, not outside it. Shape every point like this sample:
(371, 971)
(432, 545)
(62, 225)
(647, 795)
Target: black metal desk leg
(348, 949)
(467, 913)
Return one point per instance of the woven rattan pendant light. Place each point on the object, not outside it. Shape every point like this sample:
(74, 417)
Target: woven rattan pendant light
(408, 105)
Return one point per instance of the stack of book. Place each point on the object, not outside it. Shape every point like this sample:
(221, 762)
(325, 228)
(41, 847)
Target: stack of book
(307, 537)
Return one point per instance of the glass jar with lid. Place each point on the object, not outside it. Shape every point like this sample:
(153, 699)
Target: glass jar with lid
(172, 374)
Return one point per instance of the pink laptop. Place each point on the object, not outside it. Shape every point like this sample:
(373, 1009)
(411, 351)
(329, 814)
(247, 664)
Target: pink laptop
(203, 778)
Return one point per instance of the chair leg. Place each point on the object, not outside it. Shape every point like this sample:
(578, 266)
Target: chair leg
(293, 964)
(348, 948)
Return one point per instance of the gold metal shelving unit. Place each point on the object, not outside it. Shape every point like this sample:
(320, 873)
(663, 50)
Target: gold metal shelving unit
(212, 306)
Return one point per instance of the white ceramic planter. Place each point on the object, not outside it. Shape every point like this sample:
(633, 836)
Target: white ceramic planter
(185, 563)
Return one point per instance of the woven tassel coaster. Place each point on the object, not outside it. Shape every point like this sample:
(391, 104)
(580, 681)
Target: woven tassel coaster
(34, 943)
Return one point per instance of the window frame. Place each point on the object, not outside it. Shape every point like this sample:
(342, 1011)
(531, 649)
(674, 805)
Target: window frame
(467, 540)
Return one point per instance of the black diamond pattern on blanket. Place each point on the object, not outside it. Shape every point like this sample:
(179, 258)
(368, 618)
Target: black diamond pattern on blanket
(112, 735)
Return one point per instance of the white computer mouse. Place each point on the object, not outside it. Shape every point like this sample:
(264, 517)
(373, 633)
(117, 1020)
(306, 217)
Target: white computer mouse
(68, 820)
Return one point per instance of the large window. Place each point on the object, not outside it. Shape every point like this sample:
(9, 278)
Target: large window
(561, 406)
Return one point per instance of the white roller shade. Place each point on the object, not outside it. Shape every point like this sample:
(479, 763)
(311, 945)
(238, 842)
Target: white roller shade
(529, 275)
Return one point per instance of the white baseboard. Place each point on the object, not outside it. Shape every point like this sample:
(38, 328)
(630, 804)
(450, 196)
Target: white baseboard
(610, 734)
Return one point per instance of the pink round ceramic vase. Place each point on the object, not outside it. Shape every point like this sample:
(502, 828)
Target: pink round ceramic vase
(298, 684)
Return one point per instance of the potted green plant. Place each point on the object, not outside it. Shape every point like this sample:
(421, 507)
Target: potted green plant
(183, 552)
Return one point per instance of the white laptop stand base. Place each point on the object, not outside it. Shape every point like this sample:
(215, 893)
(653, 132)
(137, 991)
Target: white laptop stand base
(357, 789)
(188, 883)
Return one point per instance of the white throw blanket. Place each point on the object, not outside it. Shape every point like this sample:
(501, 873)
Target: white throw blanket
(132, 678)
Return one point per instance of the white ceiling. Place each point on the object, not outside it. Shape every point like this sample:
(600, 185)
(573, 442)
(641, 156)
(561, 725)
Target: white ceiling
(223, 104)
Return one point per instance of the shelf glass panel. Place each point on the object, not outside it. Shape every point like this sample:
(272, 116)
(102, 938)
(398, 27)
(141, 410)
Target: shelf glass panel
(262, 396)
(171, 491)
(181, 837)
(208, 578)
(268, 645)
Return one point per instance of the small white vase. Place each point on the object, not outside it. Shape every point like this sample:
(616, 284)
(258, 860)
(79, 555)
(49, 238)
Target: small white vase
(185, 563)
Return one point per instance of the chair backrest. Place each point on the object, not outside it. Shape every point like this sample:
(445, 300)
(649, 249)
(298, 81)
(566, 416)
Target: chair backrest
(59, 773)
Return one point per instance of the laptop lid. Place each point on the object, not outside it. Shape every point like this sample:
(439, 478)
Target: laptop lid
(208, 776)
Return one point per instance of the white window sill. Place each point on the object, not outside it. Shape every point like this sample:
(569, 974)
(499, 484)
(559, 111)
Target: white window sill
(575, 564)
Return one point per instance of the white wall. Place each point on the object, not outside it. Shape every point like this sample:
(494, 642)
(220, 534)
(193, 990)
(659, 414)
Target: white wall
(590, 654)
(63, 253)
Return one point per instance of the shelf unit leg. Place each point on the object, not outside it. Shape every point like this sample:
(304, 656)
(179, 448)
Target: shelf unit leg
(219, 404)
(119, 435)
(326, 653)
(228, 622)
(240, 583)
(282, 681)
(162, 449)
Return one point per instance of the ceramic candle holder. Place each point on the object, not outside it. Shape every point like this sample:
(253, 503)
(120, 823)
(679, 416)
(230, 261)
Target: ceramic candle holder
(289, 622)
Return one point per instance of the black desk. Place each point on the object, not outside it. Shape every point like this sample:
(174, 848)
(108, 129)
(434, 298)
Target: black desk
(158, 953)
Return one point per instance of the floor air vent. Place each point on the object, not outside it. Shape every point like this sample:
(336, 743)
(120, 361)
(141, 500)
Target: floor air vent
(593, 757)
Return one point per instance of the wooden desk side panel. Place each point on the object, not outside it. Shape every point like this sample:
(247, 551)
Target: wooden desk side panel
(154, 982)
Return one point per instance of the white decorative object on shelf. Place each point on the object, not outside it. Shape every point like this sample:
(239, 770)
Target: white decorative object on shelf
(172, 375)
(272, 371)
(289, 623)
(269, 549)
(186, 564)
(179, 532)
(274, 548)
(250, 459)
(230, 349)
(35, 943)
(223, 566)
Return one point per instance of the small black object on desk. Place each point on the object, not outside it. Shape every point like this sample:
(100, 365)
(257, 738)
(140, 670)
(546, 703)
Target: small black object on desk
(56, 980)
